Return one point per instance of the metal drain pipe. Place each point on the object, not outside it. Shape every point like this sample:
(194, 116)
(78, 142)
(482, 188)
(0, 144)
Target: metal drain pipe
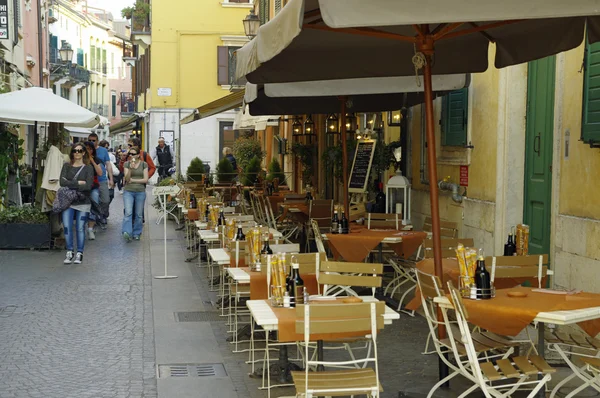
(451, 186)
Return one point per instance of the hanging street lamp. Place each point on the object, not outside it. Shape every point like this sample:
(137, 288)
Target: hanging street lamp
(65, 52)
(251, 24)
(332, 124)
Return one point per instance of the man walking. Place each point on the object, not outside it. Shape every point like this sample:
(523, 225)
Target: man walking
(105, 181)
(164, 158)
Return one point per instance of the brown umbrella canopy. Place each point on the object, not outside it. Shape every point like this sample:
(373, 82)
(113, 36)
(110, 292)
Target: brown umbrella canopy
(338, 39)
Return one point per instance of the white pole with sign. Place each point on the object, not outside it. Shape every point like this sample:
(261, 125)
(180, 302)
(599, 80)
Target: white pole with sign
(165, 192)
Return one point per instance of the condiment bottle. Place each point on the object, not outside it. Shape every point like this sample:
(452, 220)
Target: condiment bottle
(298, 284)
(483, 281)
(335, 222)
(240, 234)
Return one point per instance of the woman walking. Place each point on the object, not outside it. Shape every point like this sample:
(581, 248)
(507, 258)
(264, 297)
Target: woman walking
(134, 195)
(95, 214)
(77, 175)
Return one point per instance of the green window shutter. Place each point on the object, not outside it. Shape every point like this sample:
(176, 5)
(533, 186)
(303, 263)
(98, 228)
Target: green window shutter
(92, 65)
(590, 126)
(454, 118)
(80, 56)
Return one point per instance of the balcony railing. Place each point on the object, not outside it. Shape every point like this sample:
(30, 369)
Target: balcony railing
(79, 74)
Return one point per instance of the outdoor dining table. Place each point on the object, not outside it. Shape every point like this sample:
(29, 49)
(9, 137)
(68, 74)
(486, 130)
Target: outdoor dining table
(356, 245)
(509, 315)
(452, 273)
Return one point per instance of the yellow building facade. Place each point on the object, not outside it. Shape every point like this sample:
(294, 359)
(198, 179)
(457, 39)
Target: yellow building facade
(506, 150)
(192, 63)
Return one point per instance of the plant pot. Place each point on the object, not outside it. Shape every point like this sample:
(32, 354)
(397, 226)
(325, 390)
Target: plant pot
(25, 236)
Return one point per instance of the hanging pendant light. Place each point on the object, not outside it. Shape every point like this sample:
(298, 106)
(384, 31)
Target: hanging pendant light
(350, 122)
(332, 124)
(309, 126)
(297, 127)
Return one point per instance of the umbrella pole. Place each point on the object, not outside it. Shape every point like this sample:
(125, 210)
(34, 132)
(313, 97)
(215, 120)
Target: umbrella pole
(345, 156)
(433, 187)
(34, 162)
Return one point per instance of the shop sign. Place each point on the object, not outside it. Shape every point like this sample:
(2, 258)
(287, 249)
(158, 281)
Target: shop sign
(162, 91)
(4, 20)
(464, 176)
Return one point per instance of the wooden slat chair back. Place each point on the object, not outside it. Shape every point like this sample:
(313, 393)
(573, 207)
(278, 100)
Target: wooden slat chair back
(332, 318)
(532, 266)
(286, 248)
(448, 247)
(321, 211)
(531, 372)
(357, 210)
(340, 277)
(448, 229)
(388, 220)
(239, 217)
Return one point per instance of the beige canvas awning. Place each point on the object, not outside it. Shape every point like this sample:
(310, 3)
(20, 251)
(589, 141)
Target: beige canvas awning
(341, 39)
(228, 102)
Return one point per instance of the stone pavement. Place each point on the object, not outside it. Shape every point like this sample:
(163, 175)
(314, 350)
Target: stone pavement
(103, 328)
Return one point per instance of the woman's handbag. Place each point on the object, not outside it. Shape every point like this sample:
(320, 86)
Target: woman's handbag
(115, 170)
(66, 196)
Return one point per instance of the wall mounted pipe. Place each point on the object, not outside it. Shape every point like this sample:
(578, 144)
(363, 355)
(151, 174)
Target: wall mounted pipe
(451, 186)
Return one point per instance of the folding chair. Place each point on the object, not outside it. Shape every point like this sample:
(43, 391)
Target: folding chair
(318, 238)
(448, 229)
(388, 221)
(338, 278)
(430, 287)
(532, 266)
(514, 373)
(321, 212)
(342, 318)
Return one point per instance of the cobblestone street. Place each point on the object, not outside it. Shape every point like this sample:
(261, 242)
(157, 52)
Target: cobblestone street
(78, 330)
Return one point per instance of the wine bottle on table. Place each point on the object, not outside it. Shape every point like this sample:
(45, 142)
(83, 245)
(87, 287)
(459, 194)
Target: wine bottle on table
(345, 226)
(240, 234)
(298, 284)
(483, 280)
(513, 243)
(335, 223)
(508, 246)
(266, 249)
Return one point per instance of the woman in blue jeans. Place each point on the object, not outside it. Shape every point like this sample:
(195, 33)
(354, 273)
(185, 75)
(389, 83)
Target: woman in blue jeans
(134, 194)
(78, 174)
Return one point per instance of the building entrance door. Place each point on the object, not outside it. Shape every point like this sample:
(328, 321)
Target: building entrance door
(538, 153)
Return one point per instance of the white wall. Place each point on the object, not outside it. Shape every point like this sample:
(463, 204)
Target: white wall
(198, 139)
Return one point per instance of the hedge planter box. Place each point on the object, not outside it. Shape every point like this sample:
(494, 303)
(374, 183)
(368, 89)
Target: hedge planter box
(25, 236)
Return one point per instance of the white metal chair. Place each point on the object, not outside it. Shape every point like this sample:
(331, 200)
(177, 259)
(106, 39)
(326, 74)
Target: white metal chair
(331, 318)
(514, 373)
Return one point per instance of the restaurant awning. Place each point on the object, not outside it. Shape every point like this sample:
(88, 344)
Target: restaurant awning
(340, 39)
(79, 132)
(364, 95)
(228, 102)
(125, 125)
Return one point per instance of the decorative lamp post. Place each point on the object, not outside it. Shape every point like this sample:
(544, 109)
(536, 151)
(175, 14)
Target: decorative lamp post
(251, 24)
(65, 52)
(398, 192)
(332, 124)
(297, 128)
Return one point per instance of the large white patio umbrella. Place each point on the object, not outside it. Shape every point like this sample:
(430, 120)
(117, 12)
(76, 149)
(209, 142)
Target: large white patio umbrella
(344, 39)
(34, 104)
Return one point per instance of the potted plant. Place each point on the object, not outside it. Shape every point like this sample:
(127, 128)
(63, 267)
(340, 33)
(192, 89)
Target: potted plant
(245, 149)
(138, 14)
(275, 172)
(251, 171)
(24, 227)
(195, 170)
(225, 172)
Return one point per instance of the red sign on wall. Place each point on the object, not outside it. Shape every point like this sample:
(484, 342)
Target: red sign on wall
(464, 176)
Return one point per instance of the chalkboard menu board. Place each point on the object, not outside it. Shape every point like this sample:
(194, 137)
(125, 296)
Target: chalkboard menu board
(361, 166)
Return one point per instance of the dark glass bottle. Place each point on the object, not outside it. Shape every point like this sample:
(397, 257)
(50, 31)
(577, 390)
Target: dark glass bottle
(221, 220)
(240, 234)
(335, 223)
(380, 200)
(207, 212)
(508, 246)
(513, 243)
(298, 285)
(344, 224)
(193, 201)
(483, 281)
(266, 249)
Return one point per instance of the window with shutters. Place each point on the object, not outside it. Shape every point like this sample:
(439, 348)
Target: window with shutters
(80, 56)
(590, 124)
(226, 60)
(263, 11)
(104, 62)
(278, 6)
(92, 58)
(454, 118)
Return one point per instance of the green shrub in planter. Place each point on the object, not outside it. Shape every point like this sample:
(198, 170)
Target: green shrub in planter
(251, 171)
(225, 172)
(22, 215)
(275, 172)
(195, 170)
(24, 228)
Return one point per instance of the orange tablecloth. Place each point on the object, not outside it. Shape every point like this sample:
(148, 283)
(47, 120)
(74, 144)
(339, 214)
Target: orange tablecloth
(286, 326)
(508, 316)
(356, 246)
(259, 290)
(452, 272)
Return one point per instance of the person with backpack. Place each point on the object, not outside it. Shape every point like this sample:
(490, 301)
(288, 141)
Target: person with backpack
(143, 155)
(164, 158)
